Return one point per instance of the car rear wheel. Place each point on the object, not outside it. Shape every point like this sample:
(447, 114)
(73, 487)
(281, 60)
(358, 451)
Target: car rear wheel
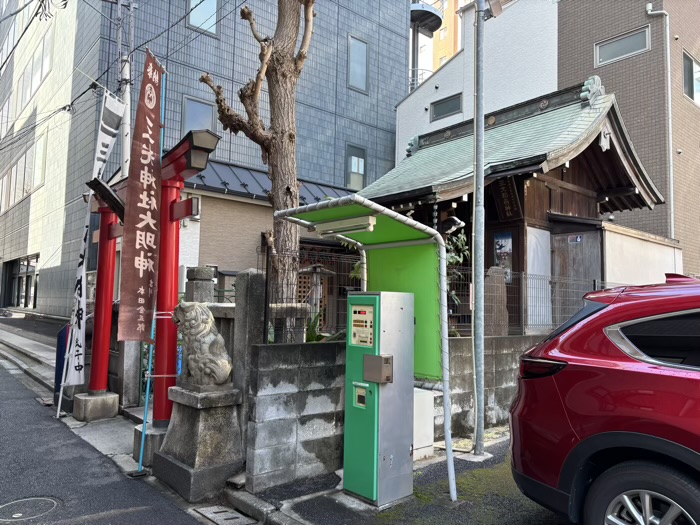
(642, 493)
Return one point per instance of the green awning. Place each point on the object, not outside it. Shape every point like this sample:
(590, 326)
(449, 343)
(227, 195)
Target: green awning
(402, 256)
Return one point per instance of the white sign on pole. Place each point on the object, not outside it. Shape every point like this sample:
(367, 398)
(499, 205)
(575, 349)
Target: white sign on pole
(110, 121)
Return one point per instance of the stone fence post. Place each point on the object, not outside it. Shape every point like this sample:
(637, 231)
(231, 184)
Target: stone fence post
(248, 330)
(200, 285)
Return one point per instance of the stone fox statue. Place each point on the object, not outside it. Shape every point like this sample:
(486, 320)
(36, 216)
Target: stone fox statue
(204, 358)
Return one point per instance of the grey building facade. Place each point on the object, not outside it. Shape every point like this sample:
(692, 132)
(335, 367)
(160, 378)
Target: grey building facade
(355, 74)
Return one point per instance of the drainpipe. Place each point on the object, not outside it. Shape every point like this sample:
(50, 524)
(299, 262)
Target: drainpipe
(649, 7)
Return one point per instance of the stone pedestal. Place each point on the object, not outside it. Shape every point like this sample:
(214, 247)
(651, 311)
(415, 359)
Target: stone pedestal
(202, 447)
(154, 440)
(91, 407)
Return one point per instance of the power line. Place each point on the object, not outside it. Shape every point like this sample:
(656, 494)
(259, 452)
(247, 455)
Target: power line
(169, 27)
(15, 12)
(31, 21)
(189, 39)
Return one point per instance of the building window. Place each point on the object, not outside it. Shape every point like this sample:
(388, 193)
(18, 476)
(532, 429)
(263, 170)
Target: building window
(203, 16)
(5, 116)
(623, 46)
(358, 64)
(691, 78)
(36, 71)
(197, 115)
(443, 33)
(446, 107)
(356, 168)
(26, 175)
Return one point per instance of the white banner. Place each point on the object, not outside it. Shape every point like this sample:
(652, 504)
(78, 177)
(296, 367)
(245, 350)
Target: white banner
(110, 121)
(73, 373)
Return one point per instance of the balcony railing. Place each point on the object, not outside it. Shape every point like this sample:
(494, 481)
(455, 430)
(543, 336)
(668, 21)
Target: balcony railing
(417, 77)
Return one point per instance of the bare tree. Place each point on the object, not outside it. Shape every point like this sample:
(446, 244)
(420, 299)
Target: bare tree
(281, 65)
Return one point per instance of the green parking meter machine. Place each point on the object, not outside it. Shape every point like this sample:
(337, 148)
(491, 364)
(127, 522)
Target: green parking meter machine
(378, 450)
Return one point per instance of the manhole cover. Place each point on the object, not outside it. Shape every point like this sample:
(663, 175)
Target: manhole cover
(225, 516)
(25, 509)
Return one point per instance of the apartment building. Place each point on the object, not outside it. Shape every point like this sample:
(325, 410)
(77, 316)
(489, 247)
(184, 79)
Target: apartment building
(355, 75)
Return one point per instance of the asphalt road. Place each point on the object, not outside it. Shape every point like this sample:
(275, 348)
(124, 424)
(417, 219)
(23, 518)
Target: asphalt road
(42, 458)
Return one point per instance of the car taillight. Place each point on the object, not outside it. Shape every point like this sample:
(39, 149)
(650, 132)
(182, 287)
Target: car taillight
(534, 367)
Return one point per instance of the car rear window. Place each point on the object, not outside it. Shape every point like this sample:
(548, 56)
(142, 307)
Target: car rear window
(673, 339)
(589, 308)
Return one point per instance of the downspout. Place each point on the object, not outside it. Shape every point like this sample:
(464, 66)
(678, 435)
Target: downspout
(649, 7)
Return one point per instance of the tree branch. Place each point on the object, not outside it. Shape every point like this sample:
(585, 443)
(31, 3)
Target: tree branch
(247, 14)
(308, 31)
(232, 121)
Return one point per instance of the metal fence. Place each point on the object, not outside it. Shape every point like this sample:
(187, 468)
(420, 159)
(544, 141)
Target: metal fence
(314, 306)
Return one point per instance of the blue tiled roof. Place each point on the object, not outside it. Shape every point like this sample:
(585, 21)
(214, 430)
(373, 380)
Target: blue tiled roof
(226, 178)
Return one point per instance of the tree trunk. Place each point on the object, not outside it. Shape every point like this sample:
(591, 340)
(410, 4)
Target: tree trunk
(282, 162)
(281, 67)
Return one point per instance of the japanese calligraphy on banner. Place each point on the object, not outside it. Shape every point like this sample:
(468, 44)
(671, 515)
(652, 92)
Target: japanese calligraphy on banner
(73, 373)
(141, 239)
(110, 121)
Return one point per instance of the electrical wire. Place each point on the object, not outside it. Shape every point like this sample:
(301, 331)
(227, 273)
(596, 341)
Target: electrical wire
(189, 39)
(169, 27)
(14, 13)
(26, 28)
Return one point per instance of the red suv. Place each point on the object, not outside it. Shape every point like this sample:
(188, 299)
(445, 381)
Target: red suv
(606, 422)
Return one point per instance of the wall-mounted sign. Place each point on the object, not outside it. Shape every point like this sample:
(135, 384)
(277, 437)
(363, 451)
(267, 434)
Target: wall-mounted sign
(573, 239)
(507, 201)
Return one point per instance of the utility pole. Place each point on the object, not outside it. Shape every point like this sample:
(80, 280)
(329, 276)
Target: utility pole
(479, 223)
(125, 82)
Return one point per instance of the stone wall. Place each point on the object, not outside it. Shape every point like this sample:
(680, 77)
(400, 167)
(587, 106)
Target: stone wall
(297, 401)
(501, 366)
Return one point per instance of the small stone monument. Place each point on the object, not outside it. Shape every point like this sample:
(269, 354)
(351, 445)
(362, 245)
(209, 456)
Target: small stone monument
(202, 445)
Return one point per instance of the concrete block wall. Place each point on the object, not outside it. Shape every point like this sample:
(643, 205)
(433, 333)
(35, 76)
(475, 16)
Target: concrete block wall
(501, 366)
(297, 402)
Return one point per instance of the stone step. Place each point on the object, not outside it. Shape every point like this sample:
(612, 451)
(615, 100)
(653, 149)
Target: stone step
(237, 481)
(36, 369)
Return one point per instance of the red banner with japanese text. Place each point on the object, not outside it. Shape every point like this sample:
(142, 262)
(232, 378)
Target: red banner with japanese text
(141, 240)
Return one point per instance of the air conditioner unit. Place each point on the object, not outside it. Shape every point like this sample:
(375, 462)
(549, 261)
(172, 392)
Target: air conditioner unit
(346, 226)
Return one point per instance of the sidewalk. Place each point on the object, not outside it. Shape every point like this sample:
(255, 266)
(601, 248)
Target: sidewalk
(30, 345)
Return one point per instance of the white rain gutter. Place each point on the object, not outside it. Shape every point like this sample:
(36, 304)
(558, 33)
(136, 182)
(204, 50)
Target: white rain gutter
(665, 14)
(437, 238)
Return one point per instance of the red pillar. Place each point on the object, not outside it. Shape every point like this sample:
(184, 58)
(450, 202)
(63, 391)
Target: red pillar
(102, 332)
(166, 331)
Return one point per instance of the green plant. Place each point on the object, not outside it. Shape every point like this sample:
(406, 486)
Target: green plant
(457, 249)
(313, 335)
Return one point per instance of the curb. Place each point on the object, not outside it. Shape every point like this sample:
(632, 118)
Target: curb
(27, 353)
(26, 369)
(257, 508)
